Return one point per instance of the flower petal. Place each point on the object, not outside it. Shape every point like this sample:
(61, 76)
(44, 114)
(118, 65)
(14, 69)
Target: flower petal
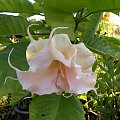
(84, 56)
(61, 80)
(34, 47)
(61, 42)
(59, 46)
(40, 54)
(82, 84)
(28, 31)
(40, 82)
(37, 53)
(41, 61)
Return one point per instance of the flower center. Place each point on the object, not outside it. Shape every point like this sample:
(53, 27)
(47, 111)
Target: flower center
(62, 69)
(61, 79)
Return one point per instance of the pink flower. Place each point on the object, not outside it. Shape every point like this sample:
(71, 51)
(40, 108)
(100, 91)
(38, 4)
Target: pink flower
(56, 65)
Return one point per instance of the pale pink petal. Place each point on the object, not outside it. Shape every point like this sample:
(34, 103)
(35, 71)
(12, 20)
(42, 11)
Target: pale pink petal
(56, 65)
(37, 52)
(84, 56)
(61, 49)
(41, 61)
(57, 55)
(39, 82)
(34, 47)
(40, 55)
(82, 85)
(61, 80)
(61, 42)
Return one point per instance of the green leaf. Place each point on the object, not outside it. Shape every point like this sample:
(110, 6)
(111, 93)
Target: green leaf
(37, 7)
(118, 80)
(106, 45)
(117, 70)
(20, 6)
(2, 79)
(39, 1)
(91, 26)
(4, 40)
(55, 107)
(67, 6)
(11, 86)
(102, 5)
(57, 16)
(103, 87)
(59, 12)
(10, 25)
(17, 96)
(16, 60)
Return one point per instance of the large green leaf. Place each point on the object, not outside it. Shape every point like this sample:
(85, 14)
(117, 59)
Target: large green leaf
(10, 25)
(91, 26)
(68, 6)
(55, 107)
(59, 13)
(106, 45)
(20, 6)
(13, 87)
(37, 7)
(16, 60)
(56, 17)
(40, 1)
(9, 85)
(102, 5)
(5, 40)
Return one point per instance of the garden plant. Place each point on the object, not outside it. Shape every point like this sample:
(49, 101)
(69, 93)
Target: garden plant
(64, 63)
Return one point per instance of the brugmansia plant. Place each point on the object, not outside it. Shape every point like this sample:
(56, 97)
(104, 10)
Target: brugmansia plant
(60, 68)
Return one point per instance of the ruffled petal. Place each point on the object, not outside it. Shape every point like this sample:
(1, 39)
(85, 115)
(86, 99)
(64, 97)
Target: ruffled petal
(41, 61)
(35, 50)
(61, 80)
(40, 54)
(84, 56)
(82, 83)
(61, 42)
(34, 47)
(39, 82)
(61, 49)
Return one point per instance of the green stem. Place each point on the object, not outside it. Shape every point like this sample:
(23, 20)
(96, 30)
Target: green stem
(78, 19)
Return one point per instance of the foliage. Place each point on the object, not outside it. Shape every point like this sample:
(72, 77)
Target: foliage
(58, 107)
(82, 17)
(106, 107)
(6, 109)
(105, 29)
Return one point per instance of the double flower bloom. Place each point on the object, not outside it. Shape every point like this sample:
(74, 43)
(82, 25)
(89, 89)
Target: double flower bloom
(56, 66)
